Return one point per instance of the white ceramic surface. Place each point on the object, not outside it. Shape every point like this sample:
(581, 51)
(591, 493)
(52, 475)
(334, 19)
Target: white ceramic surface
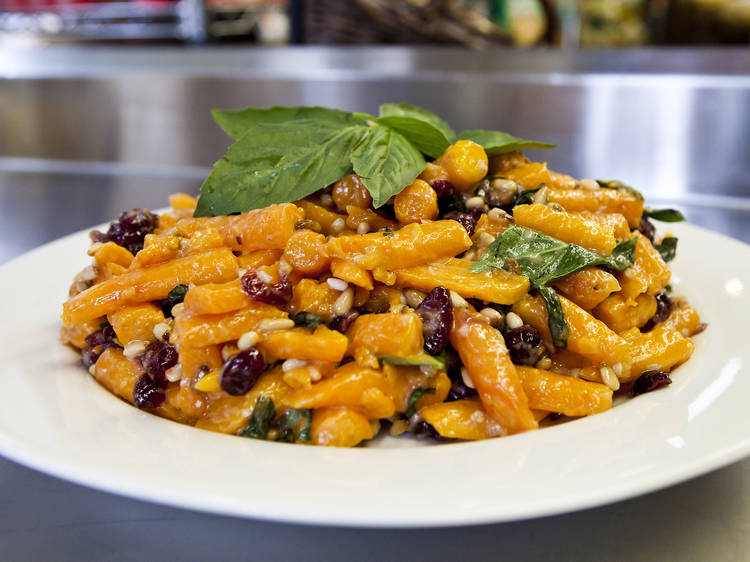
(55, 418)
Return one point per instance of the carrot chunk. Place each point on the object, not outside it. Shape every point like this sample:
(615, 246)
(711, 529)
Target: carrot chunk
(483, 353)
(149, 284)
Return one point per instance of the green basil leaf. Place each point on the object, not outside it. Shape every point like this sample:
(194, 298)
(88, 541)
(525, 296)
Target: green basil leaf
(664, 215)
(236, 123)
(280, 163)
(174, 297)
(386, 162)
(667, 248)
(425, 137)
(617, 184)
(497, 142)
(416, 394)
(309, 320)
(544, 259)
(558, 326)
(260, 420)
(295, 425)
(436, 362)
(420, 114)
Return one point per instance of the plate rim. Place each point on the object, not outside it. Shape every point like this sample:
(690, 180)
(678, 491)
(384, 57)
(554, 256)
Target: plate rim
(44, 461)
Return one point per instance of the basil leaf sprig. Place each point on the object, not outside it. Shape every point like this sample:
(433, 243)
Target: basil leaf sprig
(282, 154)
(544, 260)
(664, 215)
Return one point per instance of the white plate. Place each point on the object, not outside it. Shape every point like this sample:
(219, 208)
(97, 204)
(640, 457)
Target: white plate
(57, 419)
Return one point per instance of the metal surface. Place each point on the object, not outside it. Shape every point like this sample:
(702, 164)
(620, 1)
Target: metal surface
(87, 134)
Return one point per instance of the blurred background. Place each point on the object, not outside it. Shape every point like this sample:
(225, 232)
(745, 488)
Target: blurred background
(473, 23)
(105, 106)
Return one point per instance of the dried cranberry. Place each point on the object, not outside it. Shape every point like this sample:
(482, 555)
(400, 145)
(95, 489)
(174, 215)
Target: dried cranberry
(276, 294)
(647, 228)
(451, 203)
(156, 359)
(104, 336)
(477, 213)
(650, 380)
(459, 391)
(89, 357)
(466, 220)
(452, 363)
(664, 306)
(129, 230)
(241, 371)
(343, 323)
(146, 394)
(436, 312)
(443, 188)
(524, 344)
(424, 428)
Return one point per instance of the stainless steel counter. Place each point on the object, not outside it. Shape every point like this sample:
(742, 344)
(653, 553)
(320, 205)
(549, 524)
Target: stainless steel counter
(87, 134)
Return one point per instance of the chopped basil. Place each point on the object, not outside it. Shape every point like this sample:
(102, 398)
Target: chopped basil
(174, 297)
(309, 320)
(260, 420)
(617, 184)
(544, 260)
(558, 326)
(667, 248)
(295, 425)
(664, 215)
(436, 362)
(416, 394)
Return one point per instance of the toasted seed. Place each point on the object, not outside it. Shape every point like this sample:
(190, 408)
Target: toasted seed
(338, 226)
(513, 320)
(363, 228)
(413, 297)
(344, 302)
(544, 363)
(337, 284)
(174, 374)
(134, 349)
(247, 340)
(398, 427)
(474, 203)
(291, 364)
(326, 200)
(609, 378)
(161, 331)
(458, 301)
(495, 317)
(466, 378)
(275, 324)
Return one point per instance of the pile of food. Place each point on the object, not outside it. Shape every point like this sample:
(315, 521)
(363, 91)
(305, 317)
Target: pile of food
(330, 281)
